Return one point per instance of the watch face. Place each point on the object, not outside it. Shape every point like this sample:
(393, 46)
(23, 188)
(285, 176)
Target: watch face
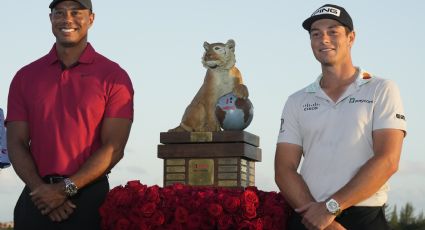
(70, 188)
(332, 206)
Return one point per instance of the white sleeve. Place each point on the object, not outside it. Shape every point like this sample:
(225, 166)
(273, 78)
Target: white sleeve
(289, 131)
(388, 111)
(4, 159)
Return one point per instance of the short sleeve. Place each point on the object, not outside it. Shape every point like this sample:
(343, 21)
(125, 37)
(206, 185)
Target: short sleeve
(388, 112)
(120, 97)
(16, 110)
(289, 128)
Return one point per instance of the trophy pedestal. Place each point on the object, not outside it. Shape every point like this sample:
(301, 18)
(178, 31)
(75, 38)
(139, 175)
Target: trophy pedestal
(225, 158)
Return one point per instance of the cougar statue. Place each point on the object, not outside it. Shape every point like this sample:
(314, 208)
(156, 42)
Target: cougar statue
(222, 77)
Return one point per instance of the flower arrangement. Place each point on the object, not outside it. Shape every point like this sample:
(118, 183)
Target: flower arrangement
(137, 206)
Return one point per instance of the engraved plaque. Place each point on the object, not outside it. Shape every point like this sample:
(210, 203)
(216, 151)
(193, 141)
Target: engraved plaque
(175, 176)
(200, 136)
(243, 169)
(227, 183)
(201, 172)
(252, 179)
(227, 168)
(227, 176)
(252, 164)
(252, 170)
(176, 169)
(228, 161)
(244, 183)
(244, 176)
(175, 162)
(243, 162)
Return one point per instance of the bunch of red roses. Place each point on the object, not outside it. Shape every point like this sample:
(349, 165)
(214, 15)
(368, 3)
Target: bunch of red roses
(137, 206)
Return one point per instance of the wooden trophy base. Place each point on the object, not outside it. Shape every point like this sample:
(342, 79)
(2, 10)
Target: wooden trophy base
(225, 158)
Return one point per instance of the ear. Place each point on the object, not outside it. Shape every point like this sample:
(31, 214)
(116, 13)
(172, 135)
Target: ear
(351, 38)
(206, 45)
(91, 19)
(231, 44)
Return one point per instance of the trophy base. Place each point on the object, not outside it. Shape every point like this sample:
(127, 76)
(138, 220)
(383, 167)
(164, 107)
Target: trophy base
(224, 159)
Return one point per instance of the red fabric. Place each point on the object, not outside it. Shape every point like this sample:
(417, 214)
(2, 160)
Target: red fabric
(65, 108)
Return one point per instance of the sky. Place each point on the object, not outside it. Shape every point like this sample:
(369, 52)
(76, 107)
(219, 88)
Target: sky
(159, 43)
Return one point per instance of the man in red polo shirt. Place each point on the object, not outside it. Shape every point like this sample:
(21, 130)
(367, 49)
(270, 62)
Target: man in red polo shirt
(69, 118)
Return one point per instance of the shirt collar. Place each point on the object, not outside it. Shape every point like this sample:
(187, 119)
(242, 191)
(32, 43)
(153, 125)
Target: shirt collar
(86, 57)
(362, 78)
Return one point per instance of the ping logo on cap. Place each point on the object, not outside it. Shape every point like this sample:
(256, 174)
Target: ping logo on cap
(327, 10)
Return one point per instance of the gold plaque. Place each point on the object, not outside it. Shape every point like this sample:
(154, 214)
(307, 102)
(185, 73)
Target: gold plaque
(244, 176)
(227, 176)
(176, 169)
(175, 176)
(252, 164)
(252, 170)
(175, 162)
(243, 183)
(227, 168)
(252, 179)
(243, 169)
(228, 161)
(227, 183)
(200, 136)
(243, 162)
(201, 172)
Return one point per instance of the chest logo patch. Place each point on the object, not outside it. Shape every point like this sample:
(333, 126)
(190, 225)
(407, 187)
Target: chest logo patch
(354, 100)
(311, 107)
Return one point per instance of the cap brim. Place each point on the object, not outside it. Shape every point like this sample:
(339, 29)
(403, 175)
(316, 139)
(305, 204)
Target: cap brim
(55, 2)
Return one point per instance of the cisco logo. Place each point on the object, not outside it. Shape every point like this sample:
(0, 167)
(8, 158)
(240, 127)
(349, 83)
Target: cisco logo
(311, 107)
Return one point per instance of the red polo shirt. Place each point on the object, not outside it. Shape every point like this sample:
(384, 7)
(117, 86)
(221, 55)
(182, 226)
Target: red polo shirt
(64, 108)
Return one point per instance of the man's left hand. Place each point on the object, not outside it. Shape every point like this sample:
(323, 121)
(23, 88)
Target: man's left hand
(315, 215)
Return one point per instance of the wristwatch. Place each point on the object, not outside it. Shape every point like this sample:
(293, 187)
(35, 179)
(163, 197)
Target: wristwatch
(333, 207)
(70, 188)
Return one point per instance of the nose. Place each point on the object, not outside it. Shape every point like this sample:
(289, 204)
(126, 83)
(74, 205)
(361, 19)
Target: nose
(67, 15)
(324, 38)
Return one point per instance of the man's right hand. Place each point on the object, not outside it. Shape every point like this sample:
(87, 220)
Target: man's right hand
(62, 212)
(48, 197)
(335, 226)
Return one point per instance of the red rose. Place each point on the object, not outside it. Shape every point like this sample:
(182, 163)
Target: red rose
(245, 225)
(157, 218)
(257, 224)
(181, 215)
(122, 224)
(148, 209)
(194, 221)
(249, 211)
(225, 222)
(120, 197)
(174, 226)
(208, 223)
(249, 197)
(268, 223)
(152, 194)
(215, 210)
(231, 204)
